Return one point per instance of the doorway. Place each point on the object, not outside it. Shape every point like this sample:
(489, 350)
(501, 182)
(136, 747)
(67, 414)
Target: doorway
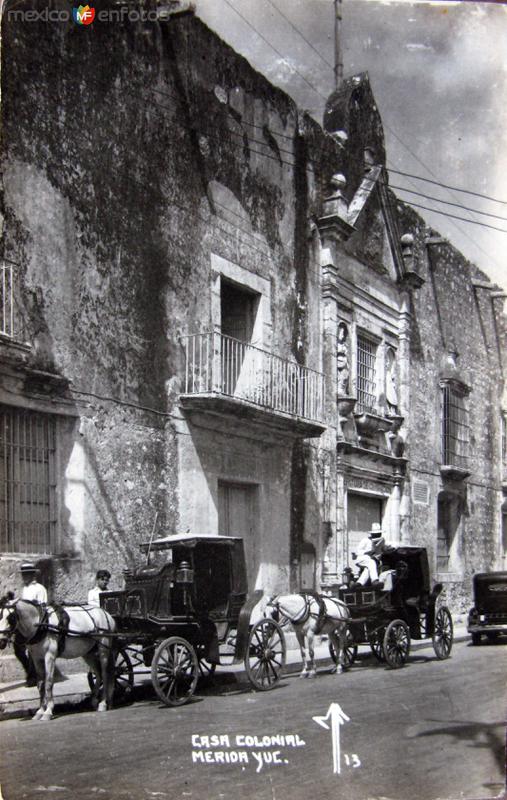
(238, 516)
(362, 511)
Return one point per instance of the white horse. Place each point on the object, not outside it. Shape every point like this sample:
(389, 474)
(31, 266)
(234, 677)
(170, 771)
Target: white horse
(311, 614)
(87, 636)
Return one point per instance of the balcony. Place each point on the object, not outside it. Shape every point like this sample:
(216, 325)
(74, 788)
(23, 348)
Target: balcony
(224, 376)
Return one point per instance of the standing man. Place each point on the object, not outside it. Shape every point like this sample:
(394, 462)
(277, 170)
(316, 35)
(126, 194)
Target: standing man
(102, 579)
(36, 593)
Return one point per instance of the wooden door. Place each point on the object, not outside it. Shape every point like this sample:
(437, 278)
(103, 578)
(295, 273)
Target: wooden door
(237, 516)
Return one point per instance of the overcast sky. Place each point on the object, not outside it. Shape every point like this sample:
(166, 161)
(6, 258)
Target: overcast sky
(439, 75)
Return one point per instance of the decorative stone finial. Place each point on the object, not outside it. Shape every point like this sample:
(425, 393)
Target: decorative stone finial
(407, 245)
(338, 182)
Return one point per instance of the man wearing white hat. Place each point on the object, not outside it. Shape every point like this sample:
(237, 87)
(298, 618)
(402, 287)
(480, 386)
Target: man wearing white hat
(36, 592)
(369, 551)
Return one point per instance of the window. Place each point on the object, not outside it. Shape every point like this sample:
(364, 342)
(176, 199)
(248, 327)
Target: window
(366, 373)
(448, 521)
(455, 428)
(27, 482)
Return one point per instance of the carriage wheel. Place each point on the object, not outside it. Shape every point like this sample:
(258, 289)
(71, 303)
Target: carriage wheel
(442, 637)
(123, 677)
(265, 655)
(349, 652)
(174, 671)
(476, 638)
(396, 643)
(206, 668)
(376, 641)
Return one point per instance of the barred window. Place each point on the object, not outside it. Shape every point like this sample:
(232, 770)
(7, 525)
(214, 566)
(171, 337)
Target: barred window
(366, 373)
(455, 428)
(27, 481)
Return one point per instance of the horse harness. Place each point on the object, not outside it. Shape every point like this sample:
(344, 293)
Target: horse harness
(44, 627)
(306, 613)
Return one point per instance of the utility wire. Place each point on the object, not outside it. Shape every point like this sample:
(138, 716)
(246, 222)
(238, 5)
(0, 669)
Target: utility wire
(447, 202)
(294, 27)
(463, 219)
(293, 68)
(464, 233)
(446, 186)
(291, 164)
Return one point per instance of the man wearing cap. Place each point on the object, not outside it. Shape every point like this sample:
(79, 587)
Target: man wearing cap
(36, 592)
(369, 551)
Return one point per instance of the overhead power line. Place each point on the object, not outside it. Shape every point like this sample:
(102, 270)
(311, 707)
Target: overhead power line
(447, 202)
(284, 59)
(463, 219)
(445, 186)
(280, 160)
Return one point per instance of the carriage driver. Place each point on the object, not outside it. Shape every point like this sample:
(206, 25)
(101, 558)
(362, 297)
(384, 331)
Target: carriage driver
(36, 592)
(369, 551)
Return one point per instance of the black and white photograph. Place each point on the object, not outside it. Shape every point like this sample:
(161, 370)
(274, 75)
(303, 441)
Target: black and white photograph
(253, 401)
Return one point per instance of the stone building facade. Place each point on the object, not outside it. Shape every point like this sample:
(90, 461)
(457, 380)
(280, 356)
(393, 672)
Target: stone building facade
(208, 328)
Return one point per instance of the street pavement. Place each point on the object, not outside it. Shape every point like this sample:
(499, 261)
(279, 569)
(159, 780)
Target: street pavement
(433, 730)
(18, 700)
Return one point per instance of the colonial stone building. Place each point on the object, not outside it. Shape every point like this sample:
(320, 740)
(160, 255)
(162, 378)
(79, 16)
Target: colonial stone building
(217, 318)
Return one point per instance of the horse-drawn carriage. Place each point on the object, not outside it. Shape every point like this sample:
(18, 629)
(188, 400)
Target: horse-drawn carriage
(180, 618)
(405, 608)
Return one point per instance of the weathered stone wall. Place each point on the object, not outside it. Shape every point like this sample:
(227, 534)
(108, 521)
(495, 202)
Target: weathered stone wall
(132, 153)
(448, 310)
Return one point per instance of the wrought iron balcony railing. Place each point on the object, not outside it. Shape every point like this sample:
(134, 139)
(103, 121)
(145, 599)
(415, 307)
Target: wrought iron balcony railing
(220, 365)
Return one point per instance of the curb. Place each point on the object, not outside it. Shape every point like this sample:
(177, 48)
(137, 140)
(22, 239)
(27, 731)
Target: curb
(26, 707)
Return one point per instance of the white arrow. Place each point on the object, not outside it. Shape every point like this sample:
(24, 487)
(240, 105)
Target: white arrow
(337, 717)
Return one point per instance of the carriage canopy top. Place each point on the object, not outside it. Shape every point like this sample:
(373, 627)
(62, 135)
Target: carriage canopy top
(188, 540)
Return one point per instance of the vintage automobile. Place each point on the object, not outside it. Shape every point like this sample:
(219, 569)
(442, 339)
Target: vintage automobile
(405, 609)
(180, 616)
(489, 613)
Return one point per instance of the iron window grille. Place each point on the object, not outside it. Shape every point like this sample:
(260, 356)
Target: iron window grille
(455, 427)
(27, 481)
(366, 383)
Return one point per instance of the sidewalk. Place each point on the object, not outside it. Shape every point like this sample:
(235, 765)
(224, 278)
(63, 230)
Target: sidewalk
(16, 700)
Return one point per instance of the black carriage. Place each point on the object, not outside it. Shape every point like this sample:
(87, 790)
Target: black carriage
(488, 616)
(181, 616)
(403, 610)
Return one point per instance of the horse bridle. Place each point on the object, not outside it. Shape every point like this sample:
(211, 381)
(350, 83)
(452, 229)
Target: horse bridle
(40, 629)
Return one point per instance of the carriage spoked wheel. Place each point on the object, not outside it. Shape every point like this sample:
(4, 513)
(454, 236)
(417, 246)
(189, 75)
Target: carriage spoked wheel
(123, 677)
(442, 637)
(349, 652)
(206, 668)
(265, 655)
(396, 643)
(174, 671)
(376, 641)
